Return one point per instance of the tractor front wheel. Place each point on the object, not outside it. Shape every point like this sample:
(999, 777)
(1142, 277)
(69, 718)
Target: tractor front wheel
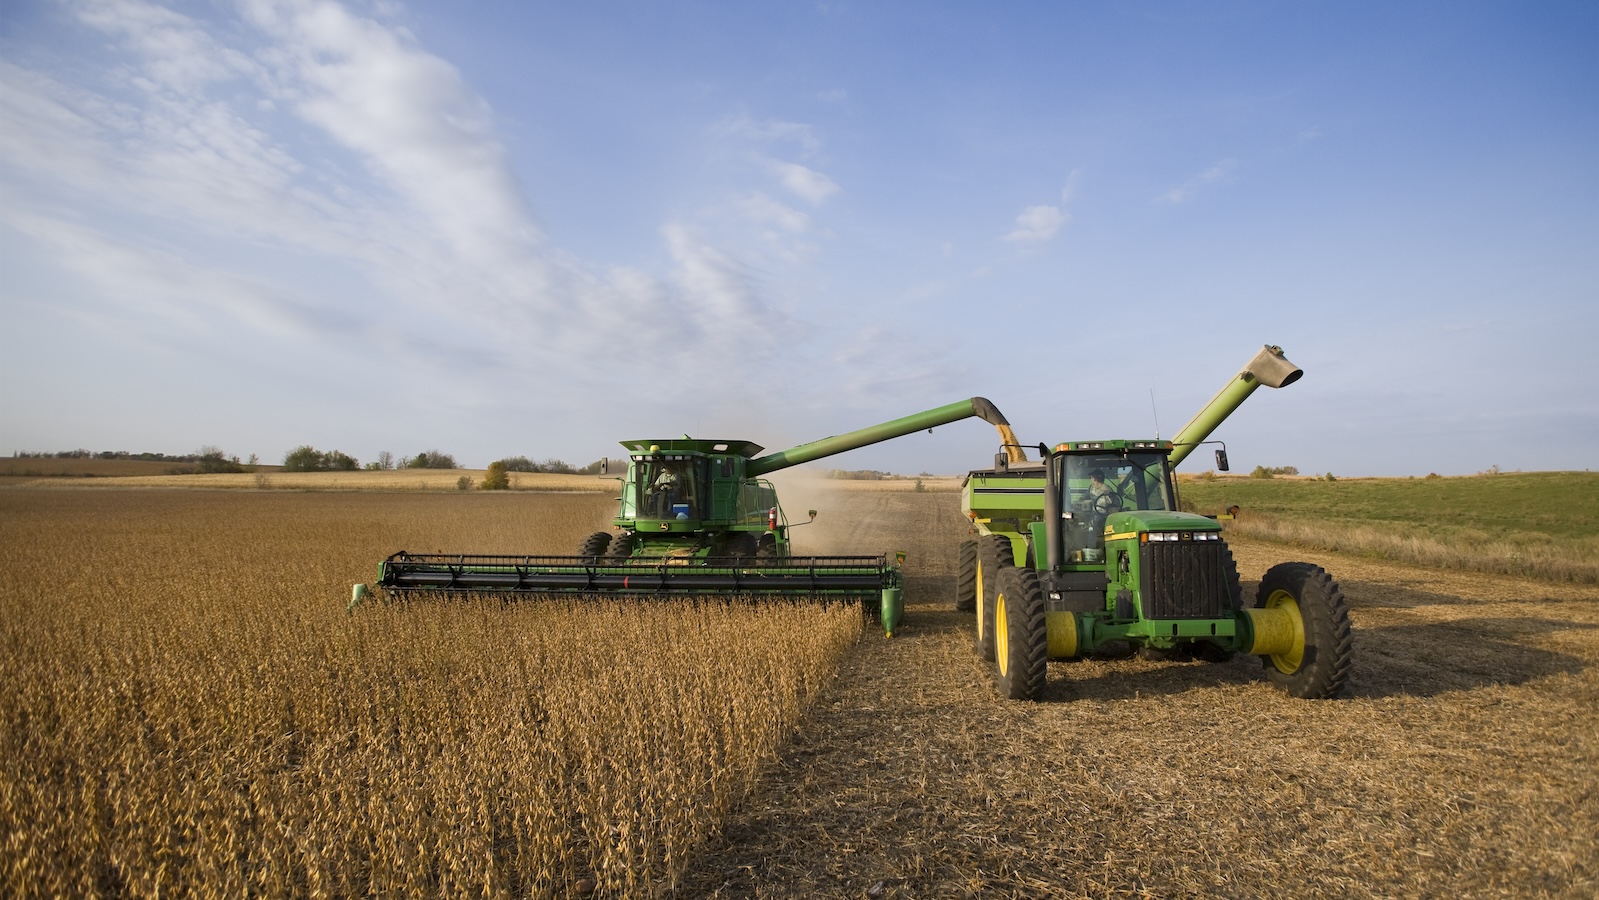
(1021, 642)
(966, 578)
(594, 546)
(1315, 663)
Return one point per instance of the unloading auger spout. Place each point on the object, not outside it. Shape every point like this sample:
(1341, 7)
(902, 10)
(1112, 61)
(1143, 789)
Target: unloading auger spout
(976, 407)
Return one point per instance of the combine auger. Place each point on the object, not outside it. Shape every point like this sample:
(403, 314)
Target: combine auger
(697, 518)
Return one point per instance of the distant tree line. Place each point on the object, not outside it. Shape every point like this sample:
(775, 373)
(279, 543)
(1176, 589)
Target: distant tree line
(306, 458)
(198, 456)
(1270, 471)
(207, 460)
(859, 474)
(551, 466)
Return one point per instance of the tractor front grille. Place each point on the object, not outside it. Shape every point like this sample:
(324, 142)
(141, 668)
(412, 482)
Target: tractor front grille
(1183, 579)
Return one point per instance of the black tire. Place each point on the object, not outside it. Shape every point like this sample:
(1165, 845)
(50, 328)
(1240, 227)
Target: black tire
(738, 545)
(1235, 589)
(1318, 668)
(594, 546)
(621, 547)
(966, 578)
(1021, 644)
(766, 547)
(993, 557)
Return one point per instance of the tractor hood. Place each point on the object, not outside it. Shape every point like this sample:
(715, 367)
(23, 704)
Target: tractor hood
(1130, 524)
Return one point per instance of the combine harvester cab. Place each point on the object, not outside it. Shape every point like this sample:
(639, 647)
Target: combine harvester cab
(1087, 547)
(696, 518)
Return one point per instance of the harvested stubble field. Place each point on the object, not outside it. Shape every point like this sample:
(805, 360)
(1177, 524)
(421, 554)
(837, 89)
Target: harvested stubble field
(218, 717)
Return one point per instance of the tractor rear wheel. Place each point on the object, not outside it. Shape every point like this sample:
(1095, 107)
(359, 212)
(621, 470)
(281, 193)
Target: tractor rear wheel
(1021, 643)
(966, 578)
(993, 557)
(594, 546)
(1316, 664)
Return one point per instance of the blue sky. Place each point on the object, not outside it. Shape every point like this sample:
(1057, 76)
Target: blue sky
(537, 229)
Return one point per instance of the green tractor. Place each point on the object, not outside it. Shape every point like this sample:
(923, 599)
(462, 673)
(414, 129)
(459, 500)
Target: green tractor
(696, 517)
(1086, 549)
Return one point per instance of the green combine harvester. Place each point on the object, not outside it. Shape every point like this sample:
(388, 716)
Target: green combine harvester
(1087, 548)
(696, 517)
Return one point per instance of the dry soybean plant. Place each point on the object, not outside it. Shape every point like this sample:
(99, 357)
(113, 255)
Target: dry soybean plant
(185, 708)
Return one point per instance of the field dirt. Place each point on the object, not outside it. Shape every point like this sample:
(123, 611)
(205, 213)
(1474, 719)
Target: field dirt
(1460, 763)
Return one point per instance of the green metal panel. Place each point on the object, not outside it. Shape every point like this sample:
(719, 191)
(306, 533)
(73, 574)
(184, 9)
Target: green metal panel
(829, 446)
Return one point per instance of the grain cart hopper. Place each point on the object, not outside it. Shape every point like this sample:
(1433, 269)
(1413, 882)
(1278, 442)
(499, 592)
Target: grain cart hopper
(696, 517)
(1086, 547)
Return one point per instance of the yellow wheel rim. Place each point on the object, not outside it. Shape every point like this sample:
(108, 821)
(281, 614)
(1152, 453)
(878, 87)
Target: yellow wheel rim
(980, 634)
(1288, 661)
(1001, 634)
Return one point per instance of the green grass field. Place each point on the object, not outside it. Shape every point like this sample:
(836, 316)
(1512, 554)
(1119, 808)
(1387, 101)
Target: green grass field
(1544, 524)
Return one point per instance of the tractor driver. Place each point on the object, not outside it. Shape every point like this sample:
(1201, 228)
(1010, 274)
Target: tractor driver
(1102, 499)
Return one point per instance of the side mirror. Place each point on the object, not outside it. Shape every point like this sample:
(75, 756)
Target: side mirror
(1001, 461)
(605, 465)
(1221, 460)
(812, 514)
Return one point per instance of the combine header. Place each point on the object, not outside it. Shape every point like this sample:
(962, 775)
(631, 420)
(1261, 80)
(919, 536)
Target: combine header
(696, 517)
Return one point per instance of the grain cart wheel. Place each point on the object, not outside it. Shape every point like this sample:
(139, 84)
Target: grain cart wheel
(993, 557)
(966, 578)
(1314, 662)
(594, 546)
(1021, 642)
(622, 547)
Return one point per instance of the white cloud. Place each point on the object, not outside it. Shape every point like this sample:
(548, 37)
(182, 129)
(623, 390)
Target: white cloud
(807, 184)
(1219, 173)
(761, 209)
(1037, 223)
(312, 147)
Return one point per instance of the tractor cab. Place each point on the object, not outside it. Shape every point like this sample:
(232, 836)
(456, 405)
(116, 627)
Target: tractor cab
(1100, 478)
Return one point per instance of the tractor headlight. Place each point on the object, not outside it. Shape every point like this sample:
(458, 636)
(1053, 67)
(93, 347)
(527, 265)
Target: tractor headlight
(1162, 536)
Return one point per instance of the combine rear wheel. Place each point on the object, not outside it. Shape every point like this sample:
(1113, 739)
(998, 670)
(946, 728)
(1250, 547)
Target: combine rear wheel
(594, 546)
(1021, 642)
(993, 557)
(966, 578)
(1316, 663)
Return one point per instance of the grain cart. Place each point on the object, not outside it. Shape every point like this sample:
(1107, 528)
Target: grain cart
(696, 517)
(1086, 547)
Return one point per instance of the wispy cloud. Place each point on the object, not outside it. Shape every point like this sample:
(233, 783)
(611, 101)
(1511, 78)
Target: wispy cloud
(769, 131)
(806, 183)
(303, 128)
(1036, 224)
(1220, 173)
